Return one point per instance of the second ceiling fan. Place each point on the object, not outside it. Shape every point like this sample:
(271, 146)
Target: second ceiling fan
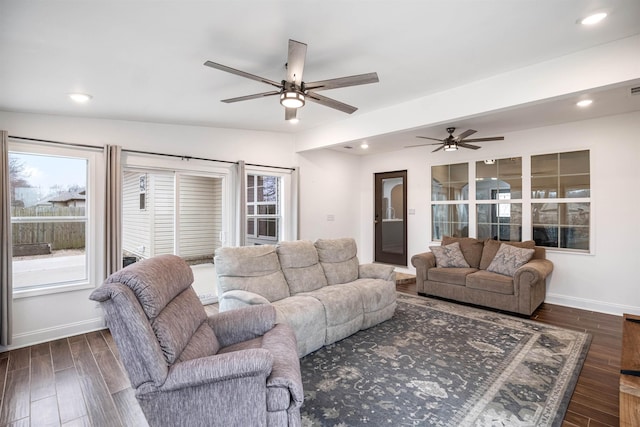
(452, 143)
(293, 91)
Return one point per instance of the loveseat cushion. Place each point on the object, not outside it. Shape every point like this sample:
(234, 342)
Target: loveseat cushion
(451, 275)
(300, 265)
(490, 282)
(338, 259)
(251, 268)
(471, 248)
(491, 248)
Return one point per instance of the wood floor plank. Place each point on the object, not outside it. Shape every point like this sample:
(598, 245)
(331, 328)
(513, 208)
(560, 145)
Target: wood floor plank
(78, 422)
(100, 406)
(112, 372)
(16, 401)
(44, 412)
(4, 365)
(71, 403)
(129, 409)
(42, 379)
(20, 358)
(42, 349)
(61, 354)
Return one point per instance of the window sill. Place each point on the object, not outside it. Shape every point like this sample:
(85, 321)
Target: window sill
(35, 292)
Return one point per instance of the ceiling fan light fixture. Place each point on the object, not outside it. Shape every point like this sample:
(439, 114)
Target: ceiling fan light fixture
(292, 99)
(450, 146)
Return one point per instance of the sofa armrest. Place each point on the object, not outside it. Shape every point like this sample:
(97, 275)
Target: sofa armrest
(376, 271)
(533, 272)
(237, 298)
(255, 362)
(242, 324)
(423, 262)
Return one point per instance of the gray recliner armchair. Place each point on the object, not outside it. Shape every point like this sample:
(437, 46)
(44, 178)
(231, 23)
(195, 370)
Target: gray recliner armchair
(236, 368)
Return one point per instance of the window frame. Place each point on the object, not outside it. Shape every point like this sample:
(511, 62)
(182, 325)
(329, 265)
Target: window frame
(527, 201)
(94, 237)
(256, 237)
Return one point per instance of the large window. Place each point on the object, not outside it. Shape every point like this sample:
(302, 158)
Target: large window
(263, 209)
(498, 196)
(450, 186)
(50, 218)
(561, 205)
(559, 202)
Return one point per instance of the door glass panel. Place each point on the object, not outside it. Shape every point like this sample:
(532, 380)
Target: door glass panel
(390, 218)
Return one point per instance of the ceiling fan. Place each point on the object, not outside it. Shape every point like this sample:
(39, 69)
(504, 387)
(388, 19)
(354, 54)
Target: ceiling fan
(293, 91)
(452, 143)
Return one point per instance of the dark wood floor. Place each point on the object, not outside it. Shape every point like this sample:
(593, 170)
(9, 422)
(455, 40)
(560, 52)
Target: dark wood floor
(78, 381)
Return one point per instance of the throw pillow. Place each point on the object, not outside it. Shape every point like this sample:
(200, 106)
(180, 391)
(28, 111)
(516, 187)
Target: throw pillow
(491, 249)
(509, 258)
(471, 248)
(449, 256)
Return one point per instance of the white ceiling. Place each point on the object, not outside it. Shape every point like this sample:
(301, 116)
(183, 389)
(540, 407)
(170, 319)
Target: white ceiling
(143, 60)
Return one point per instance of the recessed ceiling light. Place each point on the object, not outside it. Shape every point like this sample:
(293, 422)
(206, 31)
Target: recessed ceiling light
(593, 19)
(584, 103)
(364, 145)
(80, 97)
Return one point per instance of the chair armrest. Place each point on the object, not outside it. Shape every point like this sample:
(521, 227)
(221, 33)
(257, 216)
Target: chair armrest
(255, 362)
(376, 271)
(281, 341)
(532, 272)
(423, 262)
(237, 298)
(242, 324)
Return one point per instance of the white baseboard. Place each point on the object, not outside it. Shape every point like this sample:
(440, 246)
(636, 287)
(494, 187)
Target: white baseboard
(54, 333)
(591, 305)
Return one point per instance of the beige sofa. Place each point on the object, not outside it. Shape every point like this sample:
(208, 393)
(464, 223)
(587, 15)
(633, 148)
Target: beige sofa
(519, 293)
(319, 288)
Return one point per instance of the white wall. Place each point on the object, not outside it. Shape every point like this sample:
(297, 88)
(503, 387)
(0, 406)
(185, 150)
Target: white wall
(45, 317)
(605, 281)
(329, 202)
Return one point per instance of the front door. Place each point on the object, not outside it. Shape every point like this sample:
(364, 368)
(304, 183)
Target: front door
(390, 220)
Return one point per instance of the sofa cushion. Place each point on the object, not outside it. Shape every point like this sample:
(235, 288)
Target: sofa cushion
(251, 268)
(454, 276)
(491, 248)
(338, 259)
(343, 308)
(490, 282)
(471, 248)
(509, 258)
(449, 256)
(305, 314)
(300, 265)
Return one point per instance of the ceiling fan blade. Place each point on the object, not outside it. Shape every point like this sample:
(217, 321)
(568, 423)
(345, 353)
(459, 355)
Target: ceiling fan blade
(331, 103)
(248, 97)
(242, 74)
(360, 79)
(433, 139)
(491, 138)
(295, 61)
(290, 113)
(438, 149)
(465, 134)
(465, 145)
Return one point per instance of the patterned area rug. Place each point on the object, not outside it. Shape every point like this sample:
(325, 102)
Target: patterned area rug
(443, 364)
